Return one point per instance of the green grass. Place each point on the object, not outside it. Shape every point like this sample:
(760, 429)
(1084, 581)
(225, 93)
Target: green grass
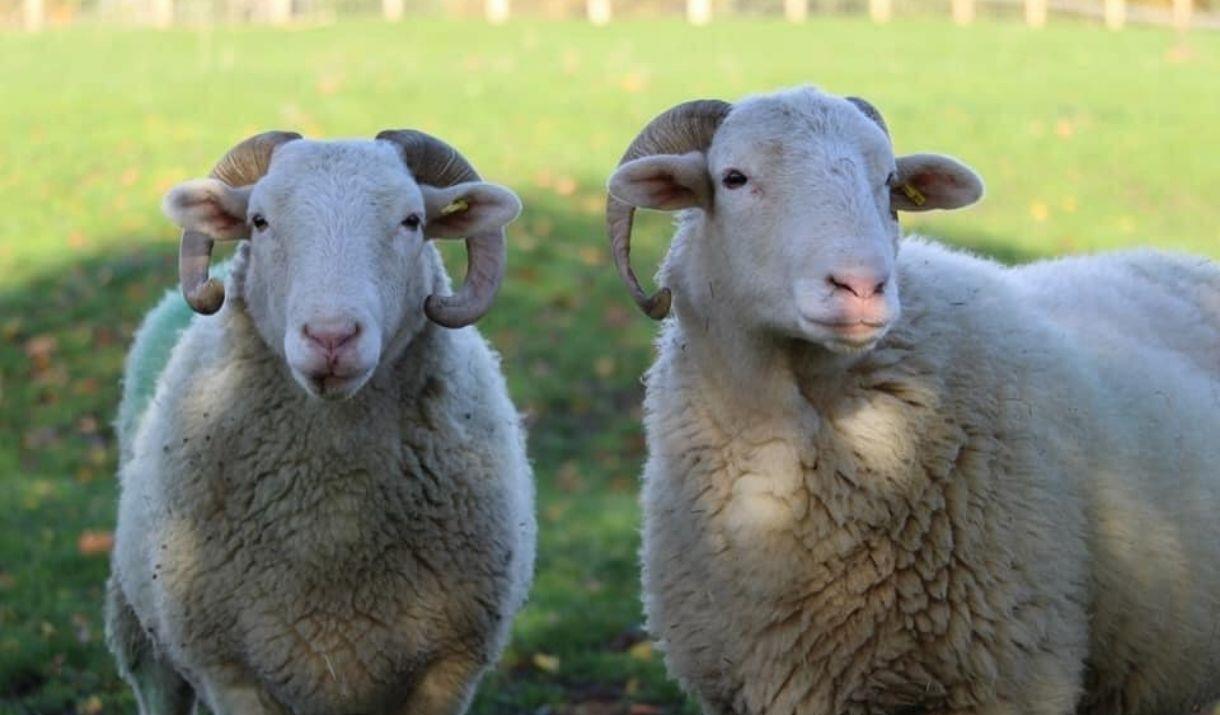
(1088, 140)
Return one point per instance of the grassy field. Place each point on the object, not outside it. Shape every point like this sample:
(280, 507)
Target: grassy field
(1088, 140)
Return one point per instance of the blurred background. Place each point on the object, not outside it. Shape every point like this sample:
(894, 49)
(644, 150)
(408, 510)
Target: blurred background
(1096, 124)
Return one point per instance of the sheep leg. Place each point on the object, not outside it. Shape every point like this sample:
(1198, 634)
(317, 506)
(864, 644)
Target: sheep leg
(446, 688)
(238, 695)
(159, 688)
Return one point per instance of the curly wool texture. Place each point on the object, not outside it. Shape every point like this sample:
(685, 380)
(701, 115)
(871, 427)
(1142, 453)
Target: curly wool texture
(1009, 506)
(288, 555)
(154, 342)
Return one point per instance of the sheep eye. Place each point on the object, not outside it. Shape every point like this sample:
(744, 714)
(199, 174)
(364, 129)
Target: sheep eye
(734, 179)
(411, 222)
(260, 223)
(891, 180)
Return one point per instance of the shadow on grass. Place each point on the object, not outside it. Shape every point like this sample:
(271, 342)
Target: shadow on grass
(62, 341)
(574, 348)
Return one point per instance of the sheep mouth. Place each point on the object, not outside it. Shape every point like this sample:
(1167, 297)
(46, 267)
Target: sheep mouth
(332, 385)
(848, 336)
(857, 327)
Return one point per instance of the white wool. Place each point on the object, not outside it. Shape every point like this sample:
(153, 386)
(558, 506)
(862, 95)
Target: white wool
(1006, 505)
(276, 552)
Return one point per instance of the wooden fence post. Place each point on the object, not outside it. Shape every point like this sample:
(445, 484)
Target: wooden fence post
(497, 11)
(392, 10)
(279, 12)
(699, 12)
(1116, 14)
(162, 13)
(880, 10)
(1182, 10)
(963, 12)
(1035, 13)
(599, 11)
(796, 10)
(33, 15)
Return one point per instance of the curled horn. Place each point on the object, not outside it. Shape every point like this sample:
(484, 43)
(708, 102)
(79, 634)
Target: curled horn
(435, 163)
(687, 127)
(243, 165)
(868, 110)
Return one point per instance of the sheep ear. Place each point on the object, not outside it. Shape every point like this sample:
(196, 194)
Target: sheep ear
(467, 209)
(209, 206)
(933, 181)
(666, 182)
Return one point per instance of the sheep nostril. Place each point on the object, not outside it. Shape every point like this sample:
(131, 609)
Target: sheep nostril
(861, 286)
(331, 335)
(837, 285)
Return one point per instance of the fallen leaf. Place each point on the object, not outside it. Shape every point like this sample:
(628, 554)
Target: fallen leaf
(604, 366)
(617, 316)
(11, 328)
(39, 350)
(91, 543)
(546, 663)
(91, 706)
(592, 255)
(87, 425)
(329, 83)
(1176, 55)
(634, 82)
(569, 478)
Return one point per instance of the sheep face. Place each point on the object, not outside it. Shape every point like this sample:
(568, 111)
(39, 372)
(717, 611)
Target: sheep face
(338, 262)
(794, 216)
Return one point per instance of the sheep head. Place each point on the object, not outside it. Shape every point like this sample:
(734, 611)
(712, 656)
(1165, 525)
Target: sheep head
(338, 269)
(795, 195)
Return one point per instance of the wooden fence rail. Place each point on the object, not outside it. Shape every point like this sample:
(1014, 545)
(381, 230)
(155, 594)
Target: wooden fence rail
(1115, 14)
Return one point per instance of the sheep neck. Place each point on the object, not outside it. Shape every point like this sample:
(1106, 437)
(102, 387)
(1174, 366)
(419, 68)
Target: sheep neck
(409, 358)
(745, 370)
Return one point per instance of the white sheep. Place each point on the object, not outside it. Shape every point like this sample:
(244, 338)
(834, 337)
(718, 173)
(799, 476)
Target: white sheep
(999, 495)
(326, 506)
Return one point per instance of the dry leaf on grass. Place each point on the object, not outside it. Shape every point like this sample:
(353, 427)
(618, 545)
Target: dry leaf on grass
(91, 543)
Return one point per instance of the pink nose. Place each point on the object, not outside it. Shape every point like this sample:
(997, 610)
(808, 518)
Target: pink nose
(861, 284)
(330, 335)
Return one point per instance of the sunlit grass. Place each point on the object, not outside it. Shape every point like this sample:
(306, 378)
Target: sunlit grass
(1088, 140)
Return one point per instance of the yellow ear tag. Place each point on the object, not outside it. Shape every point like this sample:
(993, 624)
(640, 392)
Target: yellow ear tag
(454, 207)
(913, 194)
